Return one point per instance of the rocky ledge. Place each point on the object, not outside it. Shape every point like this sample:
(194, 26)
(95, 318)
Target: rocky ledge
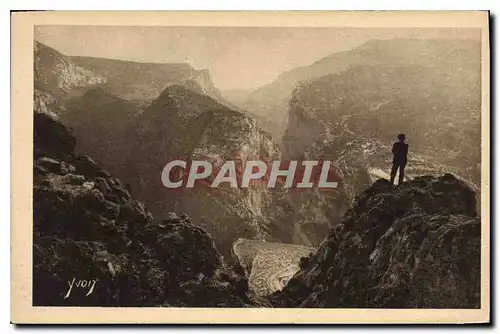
(411, 246)
(94, 245)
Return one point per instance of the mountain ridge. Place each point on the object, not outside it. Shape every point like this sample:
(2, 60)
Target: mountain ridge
(275, 95)
(66, 76)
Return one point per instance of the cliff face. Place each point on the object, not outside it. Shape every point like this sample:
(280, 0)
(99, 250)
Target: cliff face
(435, 108)
(64, 77)
(145, 81)
(57, 74)
(46, 103)
(182, 123)
(412, 246)
(268, 266)
(88, 227)
(57, 78)
(438, 56)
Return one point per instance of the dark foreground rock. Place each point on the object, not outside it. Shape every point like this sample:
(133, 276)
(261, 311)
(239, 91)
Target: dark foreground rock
(89, 233)
(412, 246)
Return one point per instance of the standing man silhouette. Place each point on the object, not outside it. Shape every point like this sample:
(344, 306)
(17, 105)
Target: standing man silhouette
(400, 151)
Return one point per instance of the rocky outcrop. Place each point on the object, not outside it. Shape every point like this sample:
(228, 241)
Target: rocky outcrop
(358, 161)
(89, 231)
(412, 246)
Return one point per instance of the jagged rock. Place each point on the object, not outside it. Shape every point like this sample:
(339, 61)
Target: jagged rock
(86, 231)
(49, 164)
(88, 167)
(171, 216)
(185, 218)
(44, 102)
(74, 179)
(412, 246)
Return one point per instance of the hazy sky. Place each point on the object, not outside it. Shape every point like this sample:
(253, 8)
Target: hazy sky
(237, 57)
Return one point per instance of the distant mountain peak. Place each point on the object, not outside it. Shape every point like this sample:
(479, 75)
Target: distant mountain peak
(65, 76)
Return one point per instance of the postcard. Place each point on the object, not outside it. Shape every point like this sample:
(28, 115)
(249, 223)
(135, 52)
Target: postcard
(250, 167)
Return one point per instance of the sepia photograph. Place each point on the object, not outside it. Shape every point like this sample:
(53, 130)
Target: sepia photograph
(286, 166)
